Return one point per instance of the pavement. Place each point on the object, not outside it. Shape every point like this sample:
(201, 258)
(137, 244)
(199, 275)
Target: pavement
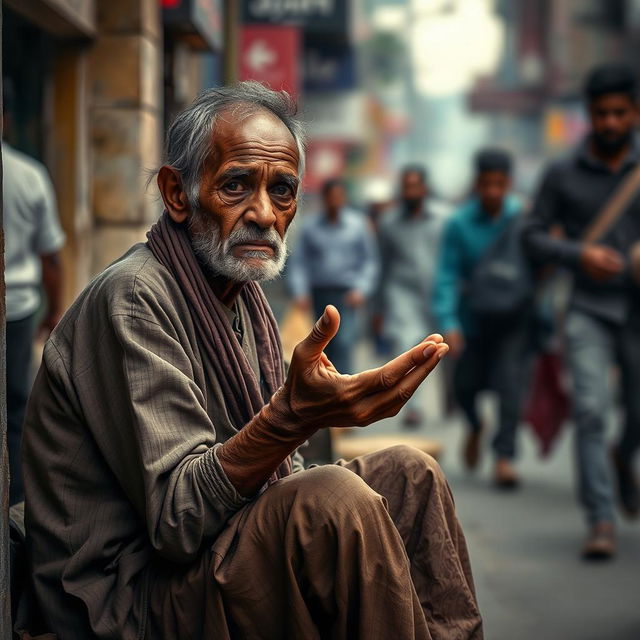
(524, 544)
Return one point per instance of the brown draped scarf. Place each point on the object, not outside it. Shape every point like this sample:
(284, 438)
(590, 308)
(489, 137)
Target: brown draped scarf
(170, 244)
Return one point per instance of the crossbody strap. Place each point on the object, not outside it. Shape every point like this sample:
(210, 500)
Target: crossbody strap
(614, 207)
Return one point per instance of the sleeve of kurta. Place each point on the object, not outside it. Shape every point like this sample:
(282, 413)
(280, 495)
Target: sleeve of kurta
(149, 420)
(546, 212)
(446, 287)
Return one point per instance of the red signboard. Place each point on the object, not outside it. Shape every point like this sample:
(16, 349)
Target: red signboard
(270, 55)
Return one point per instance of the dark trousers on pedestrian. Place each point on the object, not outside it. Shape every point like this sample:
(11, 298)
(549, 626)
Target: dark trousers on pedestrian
(19, 346)
(340, 349)
(498, 357)
(593, 345)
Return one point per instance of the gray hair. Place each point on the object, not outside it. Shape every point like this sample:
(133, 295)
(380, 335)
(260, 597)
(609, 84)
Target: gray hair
(188, 141)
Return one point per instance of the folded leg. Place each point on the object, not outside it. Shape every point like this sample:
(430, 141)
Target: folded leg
(316, 556)
(422, 508)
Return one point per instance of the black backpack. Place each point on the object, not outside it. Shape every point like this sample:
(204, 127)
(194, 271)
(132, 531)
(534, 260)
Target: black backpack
(502, 284)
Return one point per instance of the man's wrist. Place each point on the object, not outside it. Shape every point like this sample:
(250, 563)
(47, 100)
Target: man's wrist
(255, 452)
(283, 421)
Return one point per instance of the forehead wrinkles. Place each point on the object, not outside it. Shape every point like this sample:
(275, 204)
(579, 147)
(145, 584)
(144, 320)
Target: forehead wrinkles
(244, 149)
(256, 137)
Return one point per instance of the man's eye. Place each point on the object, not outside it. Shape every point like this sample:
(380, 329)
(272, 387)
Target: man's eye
(282, 190)
(233, 186)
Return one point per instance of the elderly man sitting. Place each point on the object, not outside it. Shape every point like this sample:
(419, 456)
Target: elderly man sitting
(165, 497)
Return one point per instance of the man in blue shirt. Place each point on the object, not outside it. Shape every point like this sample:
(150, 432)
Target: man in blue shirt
(335, 262)
(489, 354)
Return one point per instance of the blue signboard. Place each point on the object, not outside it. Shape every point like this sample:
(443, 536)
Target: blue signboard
(327, 67)
(329, 17)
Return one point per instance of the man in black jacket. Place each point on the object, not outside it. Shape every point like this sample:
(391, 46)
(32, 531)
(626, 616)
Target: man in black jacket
(603, 321)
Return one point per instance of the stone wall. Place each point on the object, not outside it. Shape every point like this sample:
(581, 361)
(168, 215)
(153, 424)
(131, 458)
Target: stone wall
(125, 124)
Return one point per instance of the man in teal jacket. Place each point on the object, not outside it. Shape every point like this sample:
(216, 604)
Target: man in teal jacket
(488, 354)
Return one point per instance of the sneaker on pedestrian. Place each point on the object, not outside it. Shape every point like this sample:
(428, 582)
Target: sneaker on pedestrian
(505, 475)
(627, 486)
(600, 543)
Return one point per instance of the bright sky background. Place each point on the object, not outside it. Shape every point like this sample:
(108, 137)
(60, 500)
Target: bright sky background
(450, 49)
(451, 41)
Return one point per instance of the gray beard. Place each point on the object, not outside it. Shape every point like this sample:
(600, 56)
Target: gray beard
(217, 256)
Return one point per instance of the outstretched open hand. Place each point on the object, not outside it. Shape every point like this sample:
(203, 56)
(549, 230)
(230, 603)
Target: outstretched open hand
(320, 396)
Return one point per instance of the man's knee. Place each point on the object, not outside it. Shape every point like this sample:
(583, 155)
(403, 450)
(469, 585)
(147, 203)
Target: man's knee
(327, 491)
(413, 461)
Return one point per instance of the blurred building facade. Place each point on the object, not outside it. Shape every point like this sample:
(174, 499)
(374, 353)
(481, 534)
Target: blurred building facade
(98, 81)
(93, 80)
(535, 96)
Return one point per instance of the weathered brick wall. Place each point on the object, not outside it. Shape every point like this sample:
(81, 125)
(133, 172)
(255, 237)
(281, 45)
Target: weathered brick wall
(125, 123)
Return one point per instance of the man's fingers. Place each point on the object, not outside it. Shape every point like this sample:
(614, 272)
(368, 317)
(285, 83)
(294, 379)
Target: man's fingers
(612, 255)
(612, 265)
(380, 403)
(323, 331)
(405, 388)
(391, 373)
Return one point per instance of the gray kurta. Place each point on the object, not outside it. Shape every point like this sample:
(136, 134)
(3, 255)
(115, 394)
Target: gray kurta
(134, 531)
(119, 452)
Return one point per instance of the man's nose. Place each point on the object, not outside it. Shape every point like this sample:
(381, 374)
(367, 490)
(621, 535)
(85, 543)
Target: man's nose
(260, 210)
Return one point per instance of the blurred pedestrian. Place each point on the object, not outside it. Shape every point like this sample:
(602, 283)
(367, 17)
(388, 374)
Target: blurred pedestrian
(489, 349)
(335, 262)
(33, 239)
(409, 241)
(603, 320)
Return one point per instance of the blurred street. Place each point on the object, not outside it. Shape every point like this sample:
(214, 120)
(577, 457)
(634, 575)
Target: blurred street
(533, 532)
(469, 168)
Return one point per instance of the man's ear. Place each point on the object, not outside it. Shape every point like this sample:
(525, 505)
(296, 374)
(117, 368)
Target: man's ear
(173, 195)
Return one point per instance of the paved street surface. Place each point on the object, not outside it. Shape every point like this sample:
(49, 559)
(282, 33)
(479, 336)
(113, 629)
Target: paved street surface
(524, 547)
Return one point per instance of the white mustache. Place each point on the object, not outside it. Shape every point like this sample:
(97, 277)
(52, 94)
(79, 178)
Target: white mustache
(245, 235)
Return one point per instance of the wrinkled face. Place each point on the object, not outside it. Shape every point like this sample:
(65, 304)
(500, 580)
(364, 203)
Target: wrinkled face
(248, 198)
(613, 118)
(491, 188)
(413, 189)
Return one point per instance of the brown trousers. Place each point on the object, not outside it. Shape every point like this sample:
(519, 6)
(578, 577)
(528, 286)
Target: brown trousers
(366, 549)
